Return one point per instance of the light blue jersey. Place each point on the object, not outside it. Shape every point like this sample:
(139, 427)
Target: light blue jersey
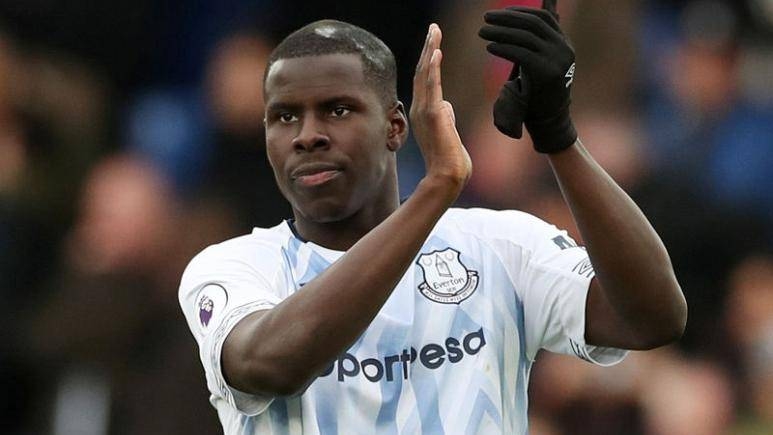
(450, 351)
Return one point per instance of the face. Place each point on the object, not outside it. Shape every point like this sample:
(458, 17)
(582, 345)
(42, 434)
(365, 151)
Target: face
(329, 138)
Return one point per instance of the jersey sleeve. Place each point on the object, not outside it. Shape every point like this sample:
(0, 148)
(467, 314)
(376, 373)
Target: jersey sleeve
(554, 279)
(551, 275)
(218, 289)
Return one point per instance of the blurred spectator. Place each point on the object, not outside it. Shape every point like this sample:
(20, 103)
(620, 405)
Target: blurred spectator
(126, 222)
(507, 173)
(688, 398)
(109, 338)
(239, 173)
(749, 320)
(577, 397)
(235, 83)
(210, 142)
(51, 118)
(758, 418)
(703, 131)
(749, 309)
(52, 113)
(170, 128)
(708, 148)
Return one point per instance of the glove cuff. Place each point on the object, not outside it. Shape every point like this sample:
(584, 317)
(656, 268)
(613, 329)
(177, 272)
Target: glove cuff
(553, 134)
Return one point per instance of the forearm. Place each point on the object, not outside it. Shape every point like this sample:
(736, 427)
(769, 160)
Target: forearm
(301, 336)
(631, 262)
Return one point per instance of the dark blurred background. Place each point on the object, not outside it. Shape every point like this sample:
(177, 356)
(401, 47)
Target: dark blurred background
(131, 137)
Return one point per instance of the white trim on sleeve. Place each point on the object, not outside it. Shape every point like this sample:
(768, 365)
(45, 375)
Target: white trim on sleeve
(248, 404)
(601, 356)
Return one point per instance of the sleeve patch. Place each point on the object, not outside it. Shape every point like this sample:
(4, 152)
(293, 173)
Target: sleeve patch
(210, 304)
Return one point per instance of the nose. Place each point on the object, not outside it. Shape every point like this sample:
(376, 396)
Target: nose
(311, 135)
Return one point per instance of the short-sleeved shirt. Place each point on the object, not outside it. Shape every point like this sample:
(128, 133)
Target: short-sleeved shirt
(448, 353)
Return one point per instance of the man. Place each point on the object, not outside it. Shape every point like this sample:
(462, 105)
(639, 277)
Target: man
(363, 315)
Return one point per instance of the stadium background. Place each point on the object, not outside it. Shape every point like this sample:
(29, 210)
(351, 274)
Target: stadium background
(131, 137)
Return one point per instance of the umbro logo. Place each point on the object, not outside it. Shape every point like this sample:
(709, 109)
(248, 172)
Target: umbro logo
(570, 76)
(584, 268)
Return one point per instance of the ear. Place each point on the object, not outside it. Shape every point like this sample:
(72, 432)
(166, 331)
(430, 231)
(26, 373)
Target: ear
(398, 127)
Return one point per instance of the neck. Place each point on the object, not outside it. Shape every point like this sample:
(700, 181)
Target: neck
(342, 234)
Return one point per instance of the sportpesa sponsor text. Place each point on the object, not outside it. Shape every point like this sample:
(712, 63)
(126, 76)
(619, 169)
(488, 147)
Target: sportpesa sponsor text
(431, 356)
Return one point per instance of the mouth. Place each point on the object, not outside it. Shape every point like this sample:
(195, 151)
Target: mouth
(315, 174)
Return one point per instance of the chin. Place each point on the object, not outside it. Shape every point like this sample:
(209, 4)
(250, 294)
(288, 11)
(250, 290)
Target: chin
(325, 211)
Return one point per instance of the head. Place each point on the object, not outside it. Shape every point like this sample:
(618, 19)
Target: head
(336, 37)
(232, 83)
(126, 219)
(333, 122)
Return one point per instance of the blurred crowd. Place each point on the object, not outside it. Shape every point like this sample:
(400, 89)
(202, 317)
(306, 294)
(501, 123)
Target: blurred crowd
(131, 137)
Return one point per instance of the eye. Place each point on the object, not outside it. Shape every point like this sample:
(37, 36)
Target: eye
(287, 117)
(340, 111)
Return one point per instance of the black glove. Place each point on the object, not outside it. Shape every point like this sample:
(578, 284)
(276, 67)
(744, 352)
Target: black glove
(532, 38)
(512, 103)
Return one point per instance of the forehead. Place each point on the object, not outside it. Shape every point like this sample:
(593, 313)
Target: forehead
(313, 74)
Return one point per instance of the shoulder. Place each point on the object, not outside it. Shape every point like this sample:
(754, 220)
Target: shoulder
(488, 214)
(494, 224)
(259, 250)
(503, 230)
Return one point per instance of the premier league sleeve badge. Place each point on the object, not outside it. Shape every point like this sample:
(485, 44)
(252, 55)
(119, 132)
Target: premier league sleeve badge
(446, 279)
(210, 303)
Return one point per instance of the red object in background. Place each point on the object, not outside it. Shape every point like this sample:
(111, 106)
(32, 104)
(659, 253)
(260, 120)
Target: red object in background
(501, 69)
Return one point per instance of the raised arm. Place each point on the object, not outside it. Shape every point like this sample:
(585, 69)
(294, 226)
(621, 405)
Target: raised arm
(282, 350)
(635, 301)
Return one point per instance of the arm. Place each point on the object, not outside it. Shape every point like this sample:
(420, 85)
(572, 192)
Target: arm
(280, 351)
(635, 301)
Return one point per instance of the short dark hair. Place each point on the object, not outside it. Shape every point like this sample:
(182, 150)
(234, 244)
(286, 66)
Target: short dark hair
(337, 37)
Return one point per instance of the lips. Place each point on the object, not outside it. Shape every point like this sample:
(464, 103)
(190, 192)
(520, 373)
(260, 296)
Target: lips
(315, 174)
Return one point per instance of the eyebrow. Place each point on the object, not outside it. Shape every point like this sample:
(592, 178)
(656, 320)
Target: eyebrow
(281, 106)
(327, 102)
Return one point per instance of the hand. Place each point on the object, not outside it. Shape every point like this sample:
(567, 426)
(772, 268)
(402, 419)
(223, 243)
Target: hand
(433, 119)
(512, 104)
(533, 38)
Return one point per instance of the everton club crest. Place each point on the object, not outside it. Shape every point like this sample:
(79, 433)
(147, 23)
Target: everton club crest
(446, 279)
